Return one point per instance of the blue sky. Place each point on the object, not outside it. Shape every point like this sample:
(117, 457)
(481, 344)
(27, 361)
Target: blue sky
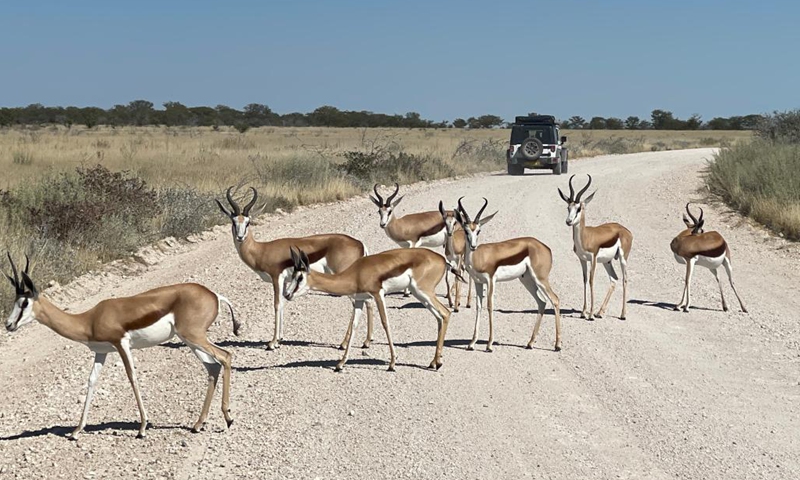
(444, 59)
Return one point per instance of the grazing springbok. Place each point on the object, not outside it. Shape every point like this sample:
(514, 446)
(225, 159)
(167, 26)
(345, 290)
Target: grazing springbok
(525, 258)
(601, 244)
(372, 277)
(271, 260)
(123, 324)
(454, 248)
(694, 246)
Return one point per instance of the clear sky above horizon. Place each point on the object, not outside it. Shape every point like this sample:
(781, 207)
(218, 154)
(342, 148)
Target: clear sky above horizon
(443, 59)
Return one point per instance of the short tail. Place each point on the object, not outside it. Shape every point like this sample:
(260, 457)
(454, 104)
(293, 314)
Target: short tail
(455, 271)
(236, 324)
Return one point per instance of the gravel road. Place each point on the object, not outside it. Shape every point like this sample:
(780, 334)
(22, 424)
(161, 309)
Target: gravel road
(703, 394)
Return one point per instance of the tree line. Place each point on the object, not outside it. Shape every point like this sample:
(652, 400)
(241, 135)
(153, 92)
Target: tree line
(143, 112)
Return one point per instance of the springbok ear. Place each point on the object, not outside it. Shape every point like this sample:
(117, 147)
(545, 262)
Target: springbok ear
(459, 217)
(376, 201)
(687, 221)
(563, 197)
(26, 280)
(589, 198)
(441, 209)
(699, 227)
(295, 257)
(395, 202)
(223, 209)
(485, 220)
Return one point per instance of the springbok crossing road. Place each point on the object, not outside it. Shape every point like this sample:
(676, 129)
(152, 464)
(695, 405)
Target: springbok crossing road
(703, 394)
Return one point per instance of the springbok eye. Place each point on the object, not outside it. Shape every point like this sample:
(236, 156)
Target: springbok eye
(25, 304)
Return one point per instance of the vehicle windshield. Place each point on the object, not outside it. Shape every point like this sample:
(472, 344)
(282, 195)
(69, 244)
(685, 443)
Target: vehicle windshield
(545, 133)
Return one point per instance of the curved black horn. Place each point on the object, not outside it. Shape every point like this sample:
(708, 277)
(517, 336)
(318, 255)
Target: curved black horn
(234, 205)
(583, 190)
(391, 197)
(463, 211)
(27, 264)
(690, 214)
(13, 268)
(571, 190)
(480, 212)
(700, 218)
(247, 207)
(375, 189)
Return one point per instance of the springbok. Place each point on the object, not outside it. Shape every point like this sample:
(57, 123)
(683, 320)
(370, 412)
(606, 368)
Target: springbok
(454, 248)
(601, 244)
(424, 229)
(525, 258)
(271, 260)
(122, 324)
(694, 246)
(372, 277)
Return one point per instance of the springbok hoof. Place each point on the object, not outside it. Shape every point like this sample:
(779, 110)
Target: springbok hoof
(365, 345)
(229, 422)
(141, 435)
(338, 367)
(529, 346)
(557, 348)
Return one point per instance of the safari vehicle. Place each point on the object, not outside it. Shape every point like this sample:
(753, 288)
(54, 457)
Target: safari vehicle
(535, 144)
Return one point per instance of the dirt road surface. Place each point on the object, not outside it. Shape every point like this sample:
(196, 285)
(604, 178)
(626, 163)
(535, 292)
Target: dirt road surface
(703, 394)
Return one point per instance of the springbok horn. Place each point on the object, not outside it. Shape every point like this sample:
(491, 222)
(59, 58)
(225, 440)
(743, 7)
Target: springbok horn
(583, 190)
(690, 214)
(378, 195)
(234, 205)
(700, 218)
(463, 211)
(247, 207)
(480, 212)
(391, 197)
(571, 190)
(15, 280)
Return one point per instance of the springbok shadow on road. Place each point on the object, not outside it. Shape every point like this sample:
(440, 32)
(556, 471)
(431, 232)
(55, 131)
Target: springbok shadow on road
(62, 431)
(669, 306)
(331, 364)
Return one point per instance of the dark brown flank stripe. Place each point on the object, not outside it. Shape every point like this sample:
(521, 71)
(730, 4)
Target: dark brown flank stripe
(714, 252)
(611, 242)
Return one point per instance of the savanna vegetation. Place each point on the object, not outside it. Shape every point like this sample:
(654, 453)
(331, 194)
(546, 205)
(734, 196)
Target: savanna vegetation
(761, 179)
(77, 197)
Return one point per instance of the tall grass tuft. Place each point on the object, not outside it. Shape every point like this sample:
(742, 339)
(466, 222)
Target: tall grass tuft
(761, 180)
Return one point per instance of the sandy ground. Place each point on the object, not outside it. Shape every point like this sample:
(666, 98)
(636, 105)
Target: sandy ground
(703, 394)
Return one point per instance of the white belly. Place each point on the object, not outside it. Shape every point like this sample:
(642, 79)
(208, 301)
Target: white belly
(432, 241)
(398, 283)
(679, 259)
(506, 273)
(605, 255)
(710, 262)
(155, 334)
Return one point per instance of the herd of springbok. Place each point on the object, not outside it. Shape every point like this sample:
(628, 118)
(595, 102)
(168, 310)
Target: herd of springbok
(341, 265)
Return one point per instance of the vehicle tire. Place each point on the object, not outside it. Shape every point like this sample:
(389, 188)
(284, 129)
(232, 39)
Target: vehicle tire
(557, 168)
(515, 169)
(531, 148)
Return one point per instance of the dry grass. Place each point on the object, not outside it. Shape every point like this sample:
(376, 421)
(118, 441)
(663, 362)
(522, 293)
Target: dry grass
(210, 160)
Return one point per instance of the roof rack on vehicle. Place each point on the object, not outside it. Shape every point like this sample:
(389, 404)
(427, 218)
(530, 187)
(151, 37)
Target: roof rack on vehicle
(535, 119)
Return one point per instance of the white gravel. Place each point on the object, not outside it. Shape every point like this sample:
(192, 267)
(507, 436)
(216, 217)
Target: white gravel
(704, 394)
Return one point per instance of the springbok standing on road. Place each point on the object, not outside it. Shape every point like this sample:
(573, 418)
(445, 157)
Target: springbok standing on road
(374, 276)
(122, 324)
(454, 248)
(601, 244)
(525, 258)
(424, 229)
(694, 246)
(271, 260)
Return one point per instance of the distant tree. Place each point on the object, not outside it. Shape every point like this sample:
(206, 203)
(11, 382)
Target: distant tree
(694, 122)
(489, 121)
(614, 123)
(564, 124)
(597, 123)
(175, 113)
(459, 123)
(719, 123)
(257, 115)
(662, 119)
(632, 123)
(576, 122)
(227, 115)
(645, 125)
(140, 112)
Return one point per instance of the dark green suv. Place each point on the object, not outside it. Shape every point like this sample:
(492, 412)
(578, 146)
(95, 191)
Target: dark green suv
(535, 144)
